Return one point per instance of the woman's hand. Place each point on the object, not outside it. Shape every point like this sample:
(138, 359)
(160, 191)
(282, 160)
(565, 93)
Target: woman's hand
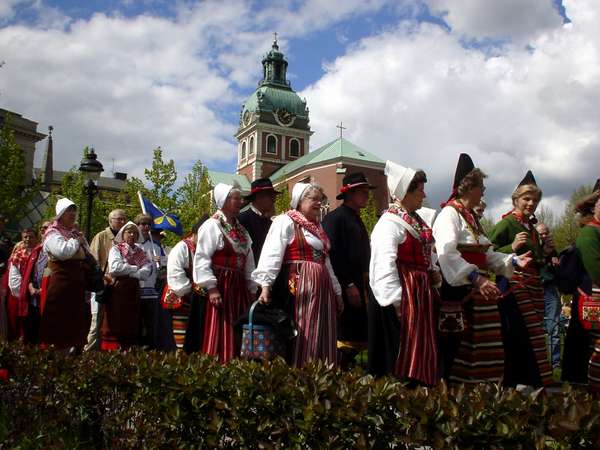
(214, 297)
(436, 278)
(353, 296)
(524, 260)
(340, 304)
(265, 295)
(520, 241)
(488, 289)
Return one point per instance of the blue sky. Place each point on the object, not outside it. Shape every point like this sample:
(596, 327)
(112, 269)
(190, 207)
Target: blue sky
(515, 83)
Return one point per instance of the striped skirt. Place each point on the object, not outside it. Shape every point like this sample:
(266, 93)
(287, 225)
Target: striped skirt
(418, 316)
(594, 366)
(529, 293)
(315, 313)
(179, 319)
(480, 355)
(219, 338)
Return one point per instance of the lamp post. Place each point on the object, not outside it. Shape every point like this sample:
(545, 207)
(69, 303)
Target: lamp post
(91, 169)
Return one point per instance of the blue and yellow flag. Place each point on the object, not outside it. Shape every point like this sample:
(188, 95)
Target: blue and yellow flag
(162, 220)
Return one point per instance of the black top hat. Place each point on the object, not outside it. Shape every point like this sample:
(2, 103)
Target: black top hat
(528, 179)
(596, 186)
(260, 185)
(464, 166)
(352, 181)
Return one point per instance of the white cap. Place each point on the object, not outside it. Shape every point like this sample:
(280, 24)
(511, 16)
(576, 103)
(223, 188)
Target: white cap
(398, 179)
(297, 192)
(220, 192)
(62, 205)
(130, 224)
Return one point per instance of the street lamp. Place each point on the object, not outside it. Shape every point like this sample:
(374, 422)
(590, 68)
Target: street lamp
(91, 169)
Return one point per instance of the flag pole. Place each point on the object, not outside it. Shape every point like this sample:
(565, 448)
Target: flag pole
(150, 234)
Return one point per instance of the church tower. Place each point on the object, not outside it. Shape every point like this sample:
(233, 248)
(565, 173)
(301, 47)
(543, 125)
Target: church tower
(274, 125)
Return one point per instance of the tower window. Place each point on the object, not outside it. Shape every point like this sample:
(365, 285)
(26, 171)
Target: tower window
(294, 148)
(271, 144)
(251, 149)
(243, 155)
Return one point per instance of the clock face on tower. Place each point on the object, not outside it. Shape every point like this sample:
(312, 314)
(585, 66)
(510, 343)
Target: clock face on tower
(284, 117)
(247, 117)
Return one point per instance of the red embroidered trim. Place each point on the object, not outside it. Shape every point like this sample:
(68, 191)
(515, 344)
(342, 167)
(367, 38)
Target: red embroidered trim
(314, 228)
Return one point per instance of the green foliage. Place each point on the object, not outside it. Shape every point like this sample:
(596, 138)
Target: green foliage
(282, 202)
(14, 196)
(162, 177)
(369, 213)
(152, 400)
(487, 224)
(193, 197)
(567, 228)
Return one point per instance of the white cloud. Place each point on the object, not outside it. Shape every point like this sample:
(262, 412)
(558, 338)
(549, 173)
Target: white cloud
(417, 96)
(515, 19)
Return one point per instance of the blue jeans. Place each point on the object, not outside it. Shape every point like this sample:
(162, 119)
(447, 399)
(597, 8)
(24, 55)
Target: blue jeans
(552, 308)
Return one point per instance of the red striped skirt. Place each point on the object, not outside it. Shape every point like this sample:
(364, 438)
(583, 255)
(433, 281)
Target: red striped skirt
(418, 317)
(219, 338)
(179, 320)
(315, 313)
(594, 363)
(480, 356)
(529, 293)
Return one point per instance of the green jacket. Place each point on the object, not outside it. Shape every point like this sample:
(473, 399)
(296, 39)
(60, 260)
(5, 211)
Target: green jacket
(504, 232)
(588, 250)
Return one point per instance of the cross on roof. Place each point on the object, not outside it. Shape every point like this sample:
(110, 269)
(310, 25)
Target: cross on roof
(275, 37)
(342, 128)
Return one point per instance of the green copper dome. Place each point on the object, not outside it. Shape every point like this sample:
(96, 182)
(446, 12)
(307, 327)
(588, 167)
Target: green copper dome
(274, 92)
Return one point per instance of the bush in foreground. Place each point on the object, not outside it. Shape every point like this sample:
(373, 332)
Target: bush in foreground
(148, 399)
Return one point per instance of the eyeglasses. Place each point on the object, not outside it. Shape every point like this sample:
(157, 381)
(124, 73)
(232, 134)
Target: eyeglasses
(118, 219)
(314, 199)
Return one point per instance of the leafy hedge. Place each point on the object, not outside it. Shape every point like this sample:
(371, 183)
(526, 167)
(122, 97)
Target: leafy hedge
(140, 399)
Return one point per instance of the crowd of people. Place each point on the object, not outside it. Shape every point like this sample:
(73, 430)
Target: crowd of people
(424, 297)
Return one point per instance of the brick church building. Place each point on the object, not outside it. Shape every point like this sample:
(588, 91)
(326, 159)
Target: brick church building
(274, 136)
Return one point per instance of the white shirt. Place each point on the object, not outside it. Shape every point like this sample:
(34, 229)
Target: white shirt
(148, 246)
(58, 247)
(451, 229)
(211, 239)
(280, 235)
(117, 266)
(14, 280)
(177, 263)
(384, 278)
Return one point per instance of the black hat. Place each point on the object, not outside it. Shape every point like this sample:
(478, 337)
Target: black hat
(351, 181)
(260, 185)
(596, 186)
(528, 179)
(464, 166)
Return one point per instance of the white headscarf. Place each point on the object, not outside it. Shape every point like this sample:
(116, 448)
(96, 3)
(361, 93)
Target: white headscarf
(119, 236)
(220, 193)
(398, 179)
(297, 192)
(61, 206)
(427, 214)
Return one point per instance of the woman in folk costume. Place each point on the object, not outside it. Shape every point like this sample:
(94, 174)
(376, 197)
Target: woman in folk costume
(295, 270)
(526, 357)
(403, 319)
(223, 263)
(127, 266)
(65, 313)
(581, 364)
(22, 305)
(181, 296)
(465, 255)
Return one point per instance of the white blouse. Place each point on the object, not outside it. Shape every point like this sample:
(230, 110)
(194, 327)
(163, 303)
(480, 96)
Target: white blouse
(280, 235)
(177, 263)
(58, 247)
(119, 267)
(211, 239)
(384, 278)
(451, 229)
(14, 280)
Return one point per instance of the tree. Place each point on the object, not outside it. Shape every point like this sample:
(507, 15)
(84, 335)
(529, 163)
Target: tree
(487, 223)
(282, 202)
(162, 177)
(14, 195)
(567, 228)
(194, 196)
(369, 213)
(546, 216)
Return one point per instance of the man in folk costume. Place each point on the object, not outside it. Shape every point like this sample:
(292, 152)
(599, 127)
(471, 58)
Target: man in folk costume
(465, 256)
(22, 305)
(184, 299)
(257, 218)
(526, 356)
(100, 246)
(295, 272)
(402, 274)
(65, 313)
(350, 255)
(223, 263)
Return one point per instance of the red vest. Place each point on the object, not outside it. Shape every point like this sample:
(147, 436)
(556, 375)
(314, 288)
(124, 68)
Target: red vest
(300, 250)
(411, 253)
(227, 258)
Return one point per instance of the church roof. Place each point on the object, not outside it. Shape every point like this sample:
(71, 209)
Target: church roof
(338, 150)
(272, 98)
(232, 179)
